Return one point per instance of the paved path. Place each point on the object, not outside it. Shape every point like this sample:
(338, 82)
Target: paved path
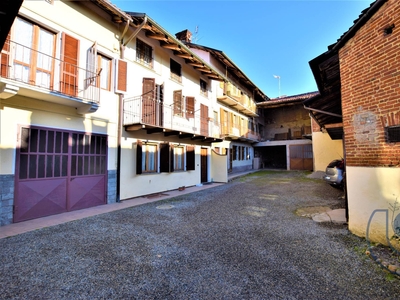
(241, 240)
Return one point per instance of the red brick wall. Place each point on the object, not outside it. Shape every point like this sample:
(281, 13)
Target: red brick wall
(370, 83)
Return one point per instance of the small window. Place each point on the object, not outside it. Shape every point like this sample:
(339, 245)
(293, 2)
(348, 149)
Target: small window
(203, 87)
(179, 158)
(392, 134)
(144, 53)
(149, 158)
(176, 71)
(234, 152)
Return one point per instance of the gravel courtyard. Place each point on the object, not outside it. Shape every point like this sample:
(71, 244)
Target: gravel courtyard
(241, 240)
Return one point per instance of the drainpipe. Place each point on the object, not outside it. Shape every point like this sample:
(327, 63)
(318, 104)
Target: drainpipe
(121, 105)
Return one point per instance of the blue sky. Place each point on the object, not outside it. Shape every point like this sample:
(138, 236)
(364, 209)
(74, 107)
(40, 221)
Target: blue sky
(262, 37)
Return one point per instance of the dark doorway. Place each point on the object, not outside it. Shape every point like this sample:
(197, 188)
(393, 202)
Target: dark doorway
(204, 169)
(273, 157)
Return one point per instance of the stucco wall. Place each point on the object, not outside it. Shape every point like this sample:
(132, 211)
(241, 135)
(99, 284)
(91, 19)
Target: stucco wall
(371, 189)
(325, 150)
(219, 167)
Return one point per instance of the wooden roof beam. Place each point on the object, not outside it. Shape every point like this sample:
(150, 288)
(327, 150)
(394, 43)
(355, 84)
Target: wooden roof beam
(155, 36)
(184, 55)
(171, 46)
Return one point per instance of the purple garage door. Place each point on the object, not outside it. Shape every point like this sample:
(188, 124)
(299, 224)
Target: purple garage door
(58, 171)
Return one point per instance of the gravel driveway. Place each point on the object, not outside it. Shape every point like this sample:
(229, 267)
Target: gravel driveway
(241, 240)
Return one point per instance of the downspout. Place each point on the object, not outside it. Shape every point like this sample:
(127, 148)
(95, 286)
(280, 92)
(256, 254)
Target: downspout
(121, 106)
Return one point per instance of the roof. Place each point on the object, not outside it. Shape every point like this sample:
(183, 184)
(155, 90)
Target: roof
(154, 31)
(233, 69)
(326, 108)
(287, 100)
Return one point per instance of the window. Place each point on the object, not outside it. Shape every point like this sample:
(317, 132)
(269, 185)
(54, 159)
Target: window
(179, 161)
(146, 158)
(149, 158)
(144, 53)
(216, 123)
(98, 69)
(203, 87)
(178, 103)
(34, 52)
(392, 134)
(176, 72)
(104, 65)
(234, 153)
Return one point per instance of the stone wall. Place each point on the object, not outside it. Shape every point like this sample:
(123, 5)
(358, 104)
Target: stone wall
(6, 199)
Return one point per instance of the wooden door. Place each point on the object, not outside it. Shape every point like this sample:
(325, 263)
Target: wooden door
(301, 157)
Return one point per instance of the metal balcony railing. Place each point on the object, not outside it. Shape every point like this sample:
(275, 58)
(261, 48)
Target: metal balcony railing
(29, 66)
(146, 110)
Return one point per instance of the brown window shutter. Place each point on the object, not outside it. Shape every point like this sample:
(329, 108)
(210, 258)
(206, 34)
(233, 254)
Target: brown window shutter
(164, 157)
(189, 107)
(139, 152)
(177, 102)
(190, 158)
(69, 69)
(122, 67)
(5, 55)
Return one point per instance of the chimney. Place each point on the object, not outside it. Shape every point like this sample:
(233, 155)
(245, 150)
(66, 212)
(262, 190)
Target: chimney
(184, 36)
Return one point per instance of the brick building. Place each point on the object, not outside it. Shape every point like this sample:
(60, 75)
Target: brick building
(359, 81)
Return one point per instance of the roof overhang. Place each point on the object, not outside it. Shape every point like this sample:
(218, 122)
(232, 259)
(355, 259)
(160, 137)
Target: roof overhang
(179, 49)
(285, 101)
(233, 69)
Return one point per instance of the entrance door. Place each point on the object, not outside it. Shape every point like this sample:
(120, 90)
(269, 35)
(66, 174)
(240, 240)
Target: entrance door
(204, 168)
(58, 171)
(301, 157)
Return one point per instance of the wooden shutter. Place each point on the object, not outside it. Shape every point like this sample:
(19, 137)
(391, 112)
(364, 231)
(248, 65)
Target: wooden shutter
(5, 56)
(121, 68)
(203, 119)
(139, 152)
(91, 66)
(190, 158)
(178, 102)
(69, 69)
(189, 107)
(148, 101)
(164, 158)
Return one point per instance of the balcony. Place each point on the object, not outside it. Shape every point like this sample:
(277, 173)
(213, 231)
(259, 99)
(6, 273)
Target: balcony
(33, 74)
(147, 113)
(235, 98)
(233, 132)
